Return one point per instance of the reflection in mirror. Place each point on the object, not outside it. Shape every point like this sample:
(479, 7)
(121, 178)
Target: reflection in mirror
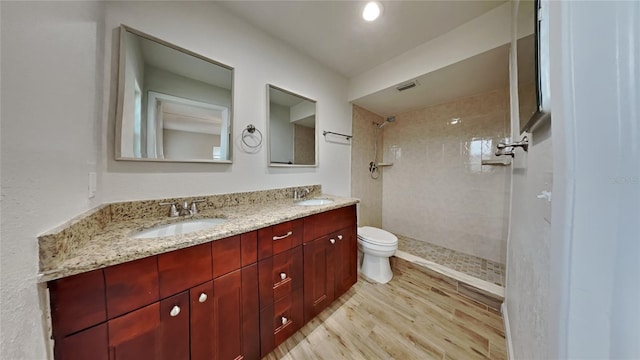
(533, 71)
(292, 129)
(527, 101)
(173, 105)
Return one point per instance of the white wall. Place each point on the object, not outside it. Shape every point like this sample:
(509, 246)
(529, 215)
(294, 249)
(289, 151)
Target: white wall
(258, 59)
(51, 93)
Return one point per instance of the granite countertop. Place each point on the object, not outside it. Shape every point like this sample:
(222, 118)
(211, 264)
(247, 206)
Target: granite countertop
(113, 244)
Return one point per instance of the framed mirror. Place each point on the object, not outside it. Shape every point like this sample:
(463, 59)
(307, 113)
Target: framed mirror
(293, 135)
(533, 64)
(173, 104)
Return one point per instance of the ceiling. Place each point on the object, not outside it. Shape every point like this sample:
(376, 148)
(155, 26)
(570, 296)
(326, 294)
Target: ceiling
(334, 34)
(477, 74)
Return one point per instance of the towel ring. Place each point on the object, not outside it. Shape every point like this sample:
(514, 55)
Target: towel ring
(250, 133)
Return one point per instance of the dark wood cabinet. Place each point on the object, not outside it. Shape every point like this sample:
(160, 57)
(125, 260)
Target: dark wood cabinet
(157, 331)
(203, 344)
(346, 260)
(77, 302)
(182, 269)
(319, 275)
(330, 258)
(233, 298)
(91, 343)
(131, 285)
(281, 282)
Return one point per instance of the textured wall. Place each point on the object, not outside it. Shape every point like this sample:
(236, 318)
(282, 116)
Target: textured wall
(528, 258)
(50, 63)
(437, 190)
(368, 190)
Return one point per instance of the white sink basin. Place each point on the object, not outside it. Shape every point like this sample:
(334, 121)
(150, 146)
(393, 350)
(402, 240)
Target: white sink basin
(312, 202)
(179, 228)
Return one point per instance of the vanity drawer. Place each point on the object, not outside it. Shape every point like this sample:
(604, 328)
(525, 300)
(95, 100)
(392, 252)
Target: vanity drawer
(322, 224)
(287, 265)
(280, 275)
(280, 320)
(131, 285)
(279, 238)
(77, 302)
(182, 269)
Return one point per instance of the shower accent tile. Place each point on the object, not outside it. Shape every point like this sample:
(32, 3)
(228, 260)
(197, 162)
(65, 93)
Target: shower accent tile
(477, 267)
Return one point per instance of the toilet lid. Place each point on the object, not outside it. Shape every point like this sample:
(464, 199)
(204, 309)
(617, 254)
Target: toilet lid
(376, 236)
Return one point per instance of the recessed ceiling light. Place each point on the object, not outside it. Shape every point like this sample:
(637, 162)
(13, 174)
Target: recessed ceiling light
(372, 11)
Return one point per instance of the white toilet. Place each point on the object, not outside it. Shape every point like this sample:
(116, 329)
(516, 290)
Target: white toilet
(377, 246)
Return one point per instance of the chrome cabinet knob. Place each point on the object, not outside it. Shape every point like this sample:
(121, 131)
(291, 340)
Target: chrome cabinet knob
(339, 237)
(284, 320)
(283, 276)
(202, 298)
(333, 241)
(175, 311)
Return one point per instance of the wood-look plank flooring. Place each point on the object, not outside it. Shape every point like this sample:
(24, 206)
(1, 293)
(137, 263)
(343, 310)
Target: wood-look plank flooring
(414, 316)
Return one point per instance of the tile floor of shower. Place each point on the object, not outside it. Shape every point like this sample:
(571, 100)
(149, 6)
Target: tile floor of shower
(480, 268)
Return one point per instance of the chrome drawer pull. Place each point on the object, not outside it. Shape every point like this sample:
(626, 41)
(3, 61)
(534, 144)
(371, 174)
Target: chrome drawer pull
(175, 311)
(284, 320)
(339, 237)
(283, 236)
(332, 241)
(283, 276)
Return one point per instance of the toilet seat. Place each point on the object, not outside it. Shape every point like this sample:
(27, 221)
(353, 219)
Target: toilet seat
(377, 236)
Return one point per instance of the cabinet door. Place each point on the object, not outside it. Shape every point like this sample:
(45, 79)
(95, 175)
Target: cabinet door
(250, 313)
(87, 344)
(346, 262)
(157, 331)
(77, 302)
(319, 271)
(227, 316)
(203, 342)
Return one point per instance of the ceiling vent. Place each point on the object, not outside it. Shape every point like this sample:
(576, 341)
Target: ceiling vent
(407, 86)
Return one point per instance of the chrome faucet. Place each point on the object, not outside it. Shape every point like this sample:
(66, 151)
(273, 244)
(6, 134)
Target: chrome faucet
(185, 208)
(297, 195)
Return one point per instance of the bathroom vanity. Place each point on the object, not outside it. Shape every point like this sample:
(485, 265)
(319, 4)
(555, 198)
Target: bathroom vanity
(235, 291)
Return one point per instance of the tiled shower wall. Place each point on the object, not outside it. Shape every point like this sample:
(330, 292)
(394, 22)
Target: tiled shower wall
(437, 190)
(368, 190)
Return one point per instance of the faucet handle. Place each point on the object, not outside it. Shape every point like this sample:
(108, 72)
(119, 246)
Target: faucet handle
(173, 210)
(194, 209)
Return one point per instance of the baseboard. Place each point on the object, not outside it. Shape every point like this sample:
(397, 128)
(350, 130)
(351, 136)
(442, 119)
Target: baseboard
(507, 331)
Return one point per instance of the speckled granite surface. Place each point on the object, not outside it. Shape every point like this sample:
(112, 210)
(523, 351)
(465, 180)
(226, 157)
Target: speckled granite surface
(101, 237)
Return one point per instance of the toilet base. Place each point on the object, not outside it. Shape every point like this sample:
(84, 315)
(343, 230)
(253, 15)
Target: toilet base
(376, 268)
